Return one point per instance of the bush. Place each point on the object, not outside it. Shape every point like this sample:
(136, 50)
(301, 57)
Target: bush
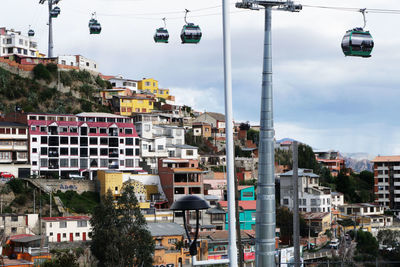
(16, 185)
(40, 72)
(65, 78)
(52, 68)
(20, 200)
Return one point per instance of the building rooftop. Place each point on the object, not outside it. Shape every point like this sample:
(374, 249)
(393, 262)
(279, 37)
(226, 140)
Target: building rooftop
(224, 235)
(12, 124)
(215, 115)
(67, 218)
(315, 215)
(244, 204)
(193, 170)
(165, 229)
(99, 114)
(301, 172)
(386, 159)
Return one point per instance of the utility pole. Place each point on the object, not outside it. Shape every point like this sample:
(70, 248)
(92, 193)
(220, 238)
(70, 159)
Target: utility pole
(296, 226)
(265, 216)
(232, 248)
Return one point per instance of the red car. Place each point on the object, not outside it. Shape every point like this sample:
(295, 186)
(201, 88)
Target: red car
(6, 175)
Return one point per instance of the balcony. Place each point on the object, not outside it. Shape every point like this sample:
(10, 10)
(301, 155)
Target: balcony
(54, 166)
(113, 167)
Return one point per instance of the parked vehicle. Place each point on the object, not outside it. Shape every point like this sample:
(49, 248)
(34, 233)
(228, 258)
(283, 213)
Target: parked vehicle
(76, 176)
(334, 243)
(6, 175)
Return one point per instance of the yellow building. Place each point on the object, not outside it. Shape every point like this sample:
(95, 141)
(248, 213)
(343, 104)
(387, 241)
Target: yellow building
(110, 180)
(133, 104)
(150, 85)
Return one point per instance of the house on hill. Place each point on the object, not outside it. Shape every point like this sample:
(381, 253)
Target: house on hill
(217, 122)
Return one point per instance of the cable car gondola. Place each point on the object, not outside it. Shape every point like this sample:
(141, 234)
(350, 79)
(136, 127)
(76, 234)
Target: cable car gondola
(31, 32)
(190, 34)
(55, 12)
(94, 25)
(161, 35)
(358, 42)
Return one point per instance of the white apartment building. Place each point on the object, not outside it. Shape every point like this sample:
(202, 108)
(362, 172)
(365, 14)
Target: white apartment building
(14, 149)
(82, 144)
(120, 82)
(79, 61)
(312, 196)
(161, 141)
(337, 200)
(13, 42)
(67, 229)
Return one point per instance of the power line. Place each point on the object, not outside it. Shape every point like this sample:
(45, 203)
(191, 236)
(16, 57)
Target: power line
(354, 9)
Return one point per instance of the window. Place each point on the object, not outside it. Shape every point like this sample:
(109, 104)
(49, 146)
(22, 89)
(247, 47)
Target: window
(285, 201)
(129, 152)
(34, 150)
(128, 131)
(51, 233)
(43, 140)
(92, 130)
(103, 152)
(129, 163)
(74, 140)
(137, 151)
(43, 151)
(64, 163)
(93, 140)
(34, 139)
(73, 151)
(160, 147)
(83, 152)
(13, 229)
(189, 152)
(73, 129)
(83, 141)
(103, 130)
(63, 225)
(77, 234)
(172, 240)
(103, 163)
(103, 141)
(93, 152)
(14, 218)
(83, 163)
(64, 235)
(82, 223)
(64, 140)
(129, 141)
(64, 151)
(73, 163)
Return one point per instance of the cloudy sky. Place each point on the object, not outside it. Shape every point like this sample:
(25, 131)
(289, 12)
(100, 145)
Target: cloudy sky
(320, 97)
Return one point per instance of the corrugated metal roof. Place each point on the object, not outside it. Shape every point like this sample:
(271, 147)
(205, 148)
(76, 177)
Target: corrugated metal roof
(165, 229)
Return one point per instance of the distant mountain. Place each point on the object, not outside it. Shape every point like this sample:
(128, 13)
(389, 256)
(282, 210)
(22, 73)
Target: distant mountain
(285, 139)
(358, 161)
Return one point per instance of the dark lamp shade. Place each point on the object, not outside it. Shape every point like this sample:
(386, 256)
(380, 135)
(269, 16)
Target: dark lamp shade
(190, 202)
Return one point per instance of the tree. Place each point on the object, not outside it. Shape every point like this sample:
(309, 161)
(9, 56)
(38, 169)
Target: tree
(366, 243)
(244, 126)
(307, 158)
(61, 260)
(119, 235)
(388, 237)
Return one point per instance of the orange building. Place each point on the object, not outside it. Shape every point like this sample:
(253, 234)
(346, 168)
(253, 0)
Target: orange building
(170, 247)
(26, 250)
(331, 160)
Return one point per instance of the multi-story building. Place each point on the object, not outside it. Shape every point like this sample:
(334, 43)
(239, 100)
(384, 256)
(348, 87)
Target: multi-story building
(180, 177)
(127, 105)
(150, 86)
(387, 182)
(107, 94)
(319, 222)
(201, 129)
(14, 157)
(82, 144)
(370, 216)
(19, 224)
(67, 229)
(337, 199)
(79, 61)
(217, 122)
(331, 159)
(13, 42)
(312, 196)
(161, 141)
(120, 82)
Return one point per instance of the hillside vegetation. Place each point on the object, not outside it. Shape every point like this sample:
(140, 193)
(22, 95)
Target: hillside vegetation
(79, 90)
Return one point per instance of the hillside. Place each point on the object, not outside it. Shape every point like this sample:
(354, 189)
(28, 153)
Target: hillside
(51, 91)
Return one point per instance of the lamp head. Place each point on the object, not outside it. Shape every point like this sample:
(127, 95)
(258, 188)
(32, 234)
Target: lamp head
(190, 202)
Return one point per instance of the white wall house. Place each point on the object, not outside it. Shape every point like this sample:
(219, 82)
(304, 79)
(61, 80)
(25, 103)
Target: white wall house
(79, 61)
(67, 229)
(120, 82)
(312, 197)
(13, 42)
(337, 200)
(161, 141)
